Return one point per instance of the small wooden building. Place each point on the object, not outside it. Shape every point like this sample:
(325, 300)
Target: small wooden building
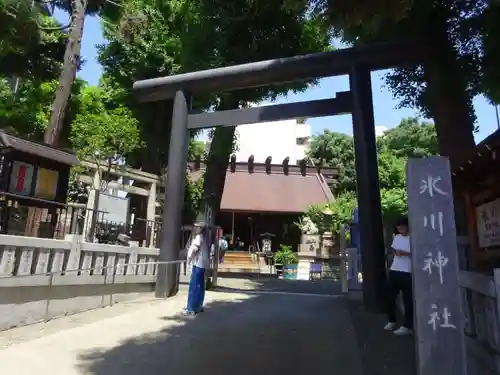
(269, 198)
(33, 185)
(477, 181)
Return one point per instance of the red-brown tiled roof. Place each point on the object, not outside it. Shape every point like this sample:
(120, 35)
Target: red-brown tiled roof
(273, 187)
(262, 192)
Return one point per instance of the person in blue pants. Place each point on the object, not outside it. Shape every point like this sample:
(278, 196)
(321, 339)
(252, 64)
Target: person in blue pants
(199, 257)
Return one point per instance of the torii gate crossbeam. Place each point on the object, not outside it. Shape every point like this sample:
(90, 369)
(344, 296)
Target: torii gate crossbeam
(358, 63)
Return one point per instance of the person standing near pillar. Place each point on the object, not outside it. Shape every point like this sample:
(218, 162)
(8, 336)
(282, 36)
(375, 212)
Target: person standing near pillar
(199, 257)
(400, 280)
(223, 245)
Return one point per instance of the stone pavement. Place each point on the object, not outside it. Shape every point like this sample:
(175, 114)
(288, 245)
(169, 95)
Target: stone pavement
(382, 352)
(241, 332)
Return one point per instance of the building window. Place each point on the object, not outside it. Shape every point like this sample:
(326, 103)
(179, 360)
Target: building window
(302, 141)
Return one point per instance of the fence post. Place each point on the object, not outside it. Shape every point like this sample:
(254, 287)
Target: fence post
(496, 279)
(343, 260)
(49, 294)
(215, 271)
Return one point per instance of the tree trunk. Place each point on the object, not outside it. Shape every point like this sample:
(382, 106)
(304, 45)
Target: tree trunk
(215, 175)
(68, 74)
(217, 164)
(448, 97)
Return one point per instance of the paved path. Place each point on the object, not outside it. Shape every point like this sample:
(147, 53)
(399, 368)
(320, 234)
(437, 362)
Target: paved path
(239, 333)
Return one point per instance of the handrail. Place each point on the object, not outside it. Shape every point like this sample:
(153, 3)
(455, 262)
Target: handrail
(94, 268)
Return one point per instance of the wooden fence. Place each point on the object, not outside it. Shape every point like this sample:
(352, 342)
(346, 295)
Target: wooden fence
(481, 306)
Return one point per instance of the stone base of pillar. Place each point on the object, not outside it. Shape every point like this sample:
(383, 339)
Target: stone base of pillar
(304, 265)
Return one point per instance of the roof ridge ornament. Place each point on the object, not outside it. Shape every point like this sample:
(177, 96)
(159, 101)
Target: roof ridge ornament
(251, 163)
(233, 163)
(268, 162)
(286, 167)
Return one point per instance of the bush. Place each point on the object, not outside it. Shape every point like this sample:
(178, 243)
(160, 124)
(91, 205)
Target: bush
(285, 256)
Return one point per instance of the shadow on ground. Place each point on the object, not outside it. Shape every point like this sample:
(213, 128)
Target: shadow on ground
(243, 334)
(244, 331)
(264, 283)
(382, 352)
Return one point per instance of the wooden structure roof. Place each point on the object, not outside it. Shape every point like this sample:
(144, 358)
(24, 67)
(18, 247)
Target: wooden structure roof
(37, 149)
(266, 187)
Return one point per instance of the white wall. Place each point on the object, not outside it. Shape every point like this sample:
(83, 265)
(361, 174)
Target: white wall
(276, 139)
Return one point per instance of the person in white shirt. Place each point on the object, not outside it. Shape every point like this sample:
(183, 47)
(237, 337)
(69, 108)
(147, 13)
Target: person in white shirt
(199, 257)
(400, 280)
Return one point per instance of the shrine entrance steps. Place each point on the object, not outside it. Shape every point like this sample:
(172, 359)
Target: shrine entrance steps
(241, 262)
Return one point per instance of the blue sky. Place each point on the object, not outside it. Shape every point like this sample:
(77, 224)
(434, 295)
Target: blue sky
(386, 115)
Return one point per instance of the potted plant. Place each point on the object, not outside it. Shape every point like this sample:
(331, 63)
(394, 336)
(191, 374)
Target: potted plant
(285, 261)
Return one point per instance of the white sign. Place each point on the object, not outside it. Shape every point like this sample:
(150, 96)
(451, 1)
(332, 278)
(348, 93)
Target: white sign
(115, 208)
(488, 223)
(266, 245)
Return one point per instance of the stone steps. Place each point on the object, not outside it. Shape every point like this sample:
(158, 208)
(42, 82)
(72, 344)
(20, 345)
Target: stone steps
(238, 258)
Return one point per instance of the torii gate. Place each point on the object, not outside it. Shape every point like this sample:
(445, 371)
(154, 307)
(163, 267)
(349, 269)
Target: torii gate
(358, 63)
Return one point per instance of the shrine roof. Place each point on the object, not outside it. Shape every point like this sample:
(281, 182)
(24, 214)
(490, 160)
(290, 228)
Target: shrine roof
(37, 149)
(481, 162)
(275, 189)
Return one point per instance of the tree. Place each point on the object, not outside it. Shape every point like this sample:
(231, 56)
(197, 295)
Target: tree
(443, 87)
(411, 138)
(26, 112)
(32, 43)
(77, 10)
(103, 131)
(243, 31)
(143, 42)
(154, 39)
(197, 150)
(335, 150)
(490, 80)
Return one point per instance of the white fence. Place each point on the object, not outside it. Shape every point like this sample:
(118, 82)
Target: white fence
(41, 279)
(40, 261)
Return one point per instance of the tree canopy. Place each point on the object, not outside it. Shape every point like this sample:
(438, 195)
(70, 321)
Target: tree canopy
(41, 99)
(103, 131)
(32, 43)
(411, 138)
(148, 39)
(461, 39)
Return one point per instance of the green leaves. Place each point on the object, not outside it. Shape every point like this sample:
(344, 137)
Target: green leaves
(102, 131)
(410, 138)
(32, 43)
(285, 256)
(335, 150)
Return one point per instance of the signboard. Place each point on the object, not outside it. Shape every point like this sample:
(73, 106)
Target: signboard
(439, 323)
(21, 178)
(46, 184)
(488, 224)
(115, 208)
(266, 245)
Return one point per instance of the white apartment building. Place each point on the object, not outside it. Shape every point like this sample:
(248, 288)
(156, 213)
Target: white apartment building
(278, 139)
